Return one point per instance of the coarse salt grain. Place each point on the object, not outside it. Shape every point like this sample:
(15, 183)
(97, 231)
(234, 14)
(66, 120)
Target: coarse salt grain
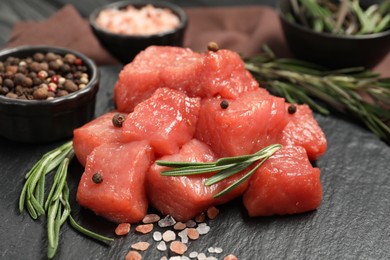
(184, 236)
(178, 247)
(151, 218)
(212, 212)
(179, 226)
(141, 246)
(133, 255)
(162, 246)
(193, 254)
(192, 233)
(168, 221)
(169, 235)
(175, 258)
(218, 250)
(202, 256)
(200, 218)
(230, 257)
(211, 250)
(144, 229)
(157, 236)
(190, 223)
(203, 229)
(122, 229)
(164, 258)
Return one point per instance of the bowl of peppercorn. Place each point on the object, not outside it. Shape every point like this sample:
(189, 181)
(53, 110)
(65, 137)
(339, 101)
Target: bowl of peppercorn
(45, 93)
(125, 28)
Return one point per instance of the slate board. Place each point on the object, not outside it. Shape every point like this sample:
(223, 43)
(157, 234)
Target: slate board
(352, 223)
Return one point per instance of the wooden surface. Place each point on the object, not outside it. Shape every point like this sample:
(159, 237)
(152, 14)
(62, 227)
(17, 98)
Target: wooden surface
(12, 11)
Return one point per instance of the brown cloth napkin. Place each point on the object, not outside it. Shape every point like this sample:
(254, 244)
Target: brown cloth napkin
(67, 29)
(242, 29)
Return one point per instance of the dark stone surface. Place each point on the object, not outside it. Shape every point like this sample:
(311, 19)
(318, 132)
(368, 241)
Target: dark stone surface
(352, 222)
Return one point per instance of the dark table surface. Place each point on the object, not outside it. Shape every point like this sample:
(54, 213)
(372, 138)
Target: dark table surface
(352, 223)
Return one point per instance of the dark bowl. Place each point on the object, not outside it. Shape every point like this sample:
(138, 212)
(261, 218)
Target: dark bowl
(126, 47)
(38, 121)
(331, 50)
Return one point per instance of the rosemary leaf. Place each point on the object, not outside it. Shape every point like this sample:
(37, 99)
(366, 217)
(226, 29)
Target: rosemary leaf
(184, 171)
(224, 174)
(88, 232)
(223, 168)
(182, 164)
(239, 181)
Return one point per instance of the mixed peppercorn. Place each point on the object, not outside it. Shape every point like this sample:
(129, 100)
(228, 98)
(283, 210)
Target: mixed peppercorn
(42, 76)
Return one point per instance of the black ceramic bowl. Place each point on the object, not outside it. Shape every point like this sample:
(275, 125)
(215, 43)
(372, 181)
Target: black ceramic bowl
(38, 121)
(331, 50)
(126, 47)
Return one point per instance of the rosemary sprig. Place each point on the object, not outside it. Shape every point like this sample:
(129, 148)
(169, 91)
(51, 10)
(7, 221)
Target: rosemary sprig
(223, 168)
(353, 91)
(56, 206)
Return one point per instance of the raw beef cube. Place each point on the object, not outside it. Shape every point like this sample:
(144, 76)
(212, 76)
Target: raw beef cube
(91, 135)
(184, 197)
(249, 123)
(167, 120)
(285, 184)
(120, 196)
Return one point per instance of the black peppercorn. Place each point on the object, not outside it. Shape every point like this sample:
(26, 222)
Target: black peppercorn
(212, 46)
(70, 86)
(224, 104)
(35, 67)
(8, 83)
(97, 177)
(51, 56)
(118, 119)
(54, 65)
(292, 109)
(38, 57)
(19, 78)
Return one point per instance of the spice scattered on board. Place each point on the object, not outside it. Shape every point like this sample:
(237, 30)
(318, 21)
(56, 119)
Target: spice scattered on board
(133, 255)
(151, 218)
(175, 239)
(144, 229)
(122, 229)
(141, 246)
(42, 76)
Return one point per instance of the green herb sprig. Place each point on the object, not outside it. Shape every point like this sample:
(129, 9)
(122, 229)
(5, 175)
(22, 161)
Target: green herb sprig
(223, 167)
(353, 91)
(347, 17)
(57, 206)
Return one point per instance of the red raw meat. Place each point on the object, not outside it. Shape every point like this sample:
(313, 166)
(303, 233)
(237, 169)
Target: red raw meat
(167, 120)
(91, 135)
(153, 68)
(251, 122)
(185, 197)
(224, 74)
(285, 184)
(303, 130)
(198, 75)
(121, 196)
